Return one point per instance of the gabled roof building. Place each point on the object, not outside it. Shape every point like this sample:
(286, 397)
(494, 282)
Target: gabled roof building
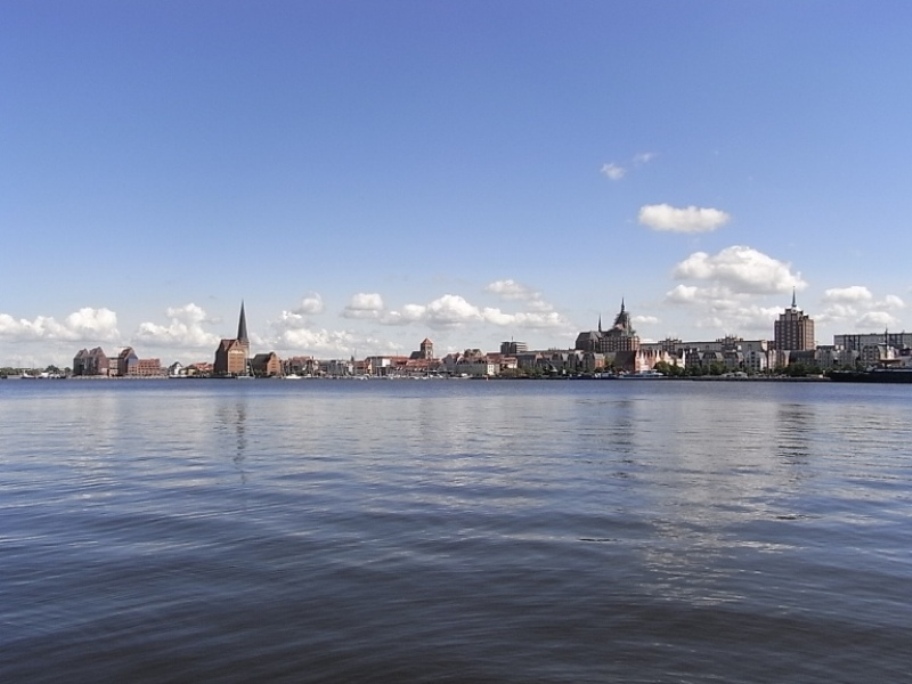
(232, 353)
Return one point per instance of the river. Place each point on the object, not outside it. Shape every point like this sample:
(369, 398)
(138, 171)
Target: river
(455, 531)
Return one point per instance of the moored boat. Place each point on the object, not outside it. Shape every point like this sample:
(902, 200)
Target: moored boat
(879, 375)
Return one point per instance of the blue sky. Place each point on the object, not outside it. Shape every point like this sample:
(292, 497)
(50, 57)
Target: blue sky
(368, 174)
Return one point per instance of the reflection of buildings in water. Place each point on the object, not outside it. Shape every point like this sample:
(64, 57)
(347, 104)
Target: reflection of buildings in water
(794, 430)
(718, 462)
(620, 428)
(231, 421)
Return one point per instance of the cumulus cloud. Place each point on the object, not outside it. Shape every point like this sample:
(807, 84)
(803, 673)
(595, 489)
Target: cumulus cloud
(877, 320)
(364, 305)
(645, 320)
(613, 172)
(893, 302)
(740, 317)
(295, 334)
(643, 158)
(847, 295)
(742, 270)
(511, 290)
(450, 311)
(184, 330)
(530, 320)
(311, 304)
(334, 343)
(725, 286)
(664, 217)
(86, 324)
(856, 306)
(682, 294)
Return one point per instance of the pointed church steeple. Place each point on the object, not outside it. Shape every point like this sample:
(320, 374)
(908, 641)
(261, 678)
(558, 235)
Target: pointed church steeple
(600, 323)
(794, 303)
(242, 326)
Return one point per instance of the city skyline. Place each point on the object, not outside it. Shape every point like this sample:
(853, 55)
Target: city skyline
(365, 176)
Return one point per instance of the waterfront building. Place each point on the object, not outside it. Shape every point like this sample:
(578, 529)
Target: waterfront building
(91, 363)
(127, 361)
(200, 368)
(266, 365)
(336, 368)
(620, 337)
(876, 354)
(387, 366)
(794, 331)
(300, 365)
(425, 350)
(471, 362)
(731, 351)
(898, 341)
(232, 353)
(129, 365)
(512, 348)
(588, 362)
(834, 356)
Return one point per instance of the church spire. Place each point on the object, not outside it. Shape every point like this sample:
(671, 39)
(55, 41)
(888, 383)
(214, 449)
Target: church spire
(600, 323)
(242, 326)
(794, 304)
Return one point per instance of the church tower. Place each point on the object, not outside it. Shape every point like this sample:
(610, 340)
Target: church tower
(242, 330)
(232, 354)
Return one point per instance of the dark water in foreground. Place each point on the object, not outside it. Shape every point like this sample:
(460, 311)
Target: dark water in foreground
(455, 531)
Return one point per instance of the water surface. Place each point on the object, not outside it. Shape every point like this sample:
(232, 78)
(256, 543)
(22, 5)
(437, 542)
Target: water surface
(653, 531)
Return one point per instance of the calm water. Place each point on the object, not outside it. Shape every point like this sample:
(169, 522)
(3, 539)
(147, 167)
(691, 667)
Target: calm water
(455, 531)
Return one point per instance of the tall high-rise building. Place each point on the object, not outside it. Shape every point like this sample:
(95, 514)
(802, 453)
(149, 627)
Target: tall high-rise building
(794, 331)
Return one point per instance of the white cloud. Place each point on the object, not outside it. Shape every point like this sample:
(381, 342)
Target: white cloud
(727, 284)
(525, 319)
(86, 324)
(612, 171)
(334, 343)
(876, 320)
(855, 306)
(682, 294)
(893, 302)
(665, 217)
(311, 304)
(645, 320)
(293, 334)
(450, 311)
(364, 305)
(643, 158)
(510, 289)
(847, 295)
(185, 330)
(740, 270)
